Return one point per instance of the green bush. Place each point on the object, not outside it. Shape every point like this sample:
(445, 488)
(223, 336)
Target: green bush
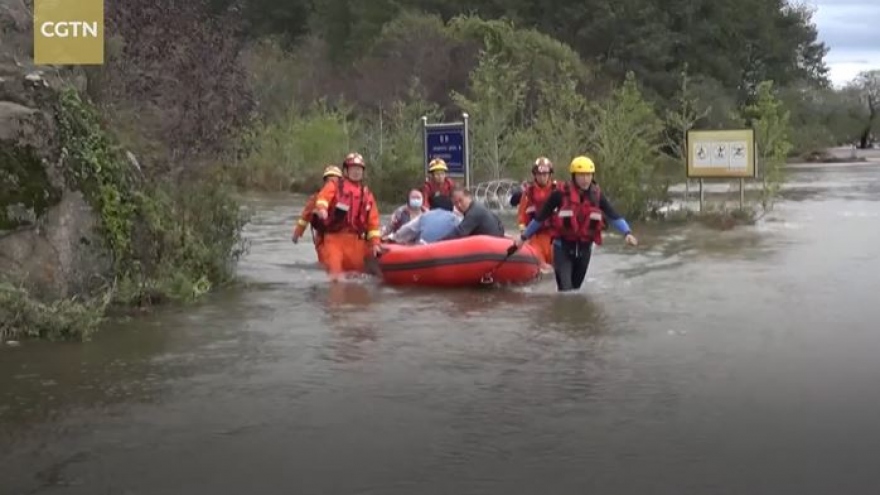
(24, 317)
(169, 239)
(627, 137)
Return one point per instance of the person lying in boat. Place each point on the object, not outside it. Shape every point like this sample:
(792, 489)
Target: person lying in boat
(477, 219)
(428, 227)
(413, 208)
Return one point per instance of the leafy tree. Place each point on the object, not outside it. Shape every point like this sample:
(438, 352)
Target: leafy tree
(770, 120)
(868, 86)
(496, 96)
(627, 138)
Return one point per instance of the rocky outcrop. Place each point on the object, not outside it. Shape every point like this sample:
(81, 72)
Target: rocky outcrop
(48, 237)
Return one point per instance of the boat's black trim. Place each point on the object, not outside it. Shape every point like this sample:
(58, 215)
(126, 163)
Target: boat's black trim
(456, 260)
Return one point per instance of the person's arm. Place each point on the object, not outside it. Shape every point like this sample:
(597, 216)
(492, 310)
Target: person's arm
(516, 196)
(374, 227)
(467, 225)
(521, 216)
(615, 218)
(553, 202)
(408, 232)
(426, 198)
(305, 217)
(325, 196)
(395, 222)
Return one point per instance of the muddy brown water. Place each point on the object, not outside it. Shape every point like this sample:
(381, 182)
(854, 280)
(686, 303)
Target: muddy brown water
(742, 362)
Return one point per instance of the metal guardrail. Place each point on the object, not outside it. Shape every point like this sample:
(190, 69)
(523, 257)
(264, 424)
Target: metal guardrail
(495, 194)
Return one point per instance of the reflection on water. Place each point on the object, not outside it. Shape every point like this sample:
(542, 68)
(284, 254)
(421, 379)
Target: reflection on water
(702, 362)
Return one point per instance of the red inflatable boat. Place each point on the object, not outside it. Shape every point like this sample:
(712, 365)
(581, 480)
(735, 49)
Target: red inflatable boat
(469, 261)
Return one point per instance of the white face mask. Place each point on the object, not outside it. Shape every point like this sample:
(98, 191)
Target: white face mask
(415, 202)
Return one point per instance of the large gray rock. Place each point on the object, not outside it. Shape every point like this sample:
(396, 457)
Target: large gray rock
(48, 237)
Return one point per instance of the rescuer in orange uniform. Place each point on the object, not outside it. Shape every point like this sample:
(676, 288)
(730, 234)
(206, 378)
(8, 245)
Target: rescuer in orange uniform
(351, 220)
(331, 174)
(534, 195)
(437, 183)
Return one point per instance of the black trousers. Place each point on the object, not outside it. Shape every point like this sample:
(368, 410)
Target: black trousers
(570, 263)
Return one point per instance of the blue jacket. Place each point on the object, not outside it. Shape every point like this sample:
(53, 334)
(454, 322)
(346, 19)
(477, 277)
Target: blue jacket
(428, 227)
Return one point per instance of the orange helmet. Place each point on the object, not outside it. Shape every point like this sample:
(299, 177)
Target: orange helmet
(354, 159)
(542, 165)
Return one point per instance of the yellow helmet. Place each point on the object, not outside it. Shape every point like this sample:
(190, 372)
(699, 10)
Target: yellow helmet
(437, 165)
(582, 165)
(332, 171)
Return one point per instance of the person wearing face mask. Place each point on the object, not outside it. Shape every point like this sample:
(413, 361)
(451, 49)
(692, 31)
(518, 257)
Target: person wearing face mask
(576, 210)
(410, 211)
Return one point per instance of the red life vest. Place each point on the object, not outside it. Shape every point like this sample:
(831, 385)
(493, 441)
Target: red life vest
(431, 189)
(537, 196)
(579, 220)
(350, 208)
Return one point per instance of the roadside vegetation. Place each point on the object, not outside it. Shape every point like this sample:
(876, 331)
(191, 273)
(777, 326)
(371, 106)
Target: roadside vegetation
(212, 96)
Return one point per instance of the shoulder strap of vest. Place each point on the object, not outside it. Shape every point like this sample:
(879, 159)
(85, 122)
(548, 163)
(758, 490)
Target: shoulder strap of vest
(595, 194)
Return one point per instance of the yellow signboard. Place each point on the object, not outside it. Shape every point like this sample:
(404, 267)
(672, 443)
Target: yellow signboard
(721, 154)
(68, 32)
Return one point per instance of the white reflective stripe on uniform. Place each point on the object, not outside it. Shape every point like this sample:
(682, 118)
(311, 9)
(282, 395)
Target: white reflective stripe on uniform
(530, 209)
(342, 206)
(565, 213)
(595, 216)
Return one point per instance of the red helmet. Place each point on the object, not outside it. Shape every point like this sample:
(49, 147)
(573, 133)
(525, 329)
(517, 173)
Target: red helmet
(542, 165)
(354, 159)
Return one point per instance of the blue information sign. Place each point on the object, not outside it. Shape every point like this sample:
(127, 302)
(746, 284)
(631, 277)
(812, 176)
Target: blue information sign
(447, 141)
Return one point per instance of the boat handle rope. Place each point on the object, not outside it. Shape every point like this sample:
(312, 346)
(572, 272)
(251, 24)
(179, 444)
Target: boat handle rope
(488, 278)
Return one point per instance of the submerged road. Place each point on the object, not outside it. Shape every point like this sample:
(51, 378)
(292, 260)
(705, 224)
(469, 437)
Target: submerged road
(703, 362)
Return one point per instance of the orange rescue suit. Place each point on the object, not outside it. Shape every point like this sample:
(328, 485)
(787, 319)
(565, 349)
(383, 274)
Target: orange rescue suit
(305, 219)
(351, 227)
(533, 198)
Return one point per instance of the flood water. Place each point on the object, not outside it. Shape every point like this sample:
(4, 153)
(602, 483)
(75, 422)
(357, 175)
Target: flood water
(703, 362)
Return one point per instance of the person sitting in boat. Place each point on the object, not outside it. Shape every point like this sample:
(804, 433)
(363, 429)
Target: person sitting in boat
(576, 210)
(428, 227)
(476, 220)
(437, 184)
(413, 208)
(331, 174)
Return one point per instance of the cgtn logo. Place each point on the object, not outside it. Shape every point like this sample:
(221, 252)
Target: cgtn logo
(69, 32)
(69, 29)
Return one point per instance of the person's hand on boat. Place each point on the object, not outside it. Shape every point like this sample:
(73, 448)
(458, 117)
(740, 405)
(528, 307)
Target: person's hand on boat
(631, 240)
(377, 250)
(322, 213)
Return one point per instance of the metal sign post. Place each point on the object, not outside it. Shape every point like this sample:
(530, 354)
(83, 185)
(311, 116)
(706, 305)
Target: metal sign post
(448, 141)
